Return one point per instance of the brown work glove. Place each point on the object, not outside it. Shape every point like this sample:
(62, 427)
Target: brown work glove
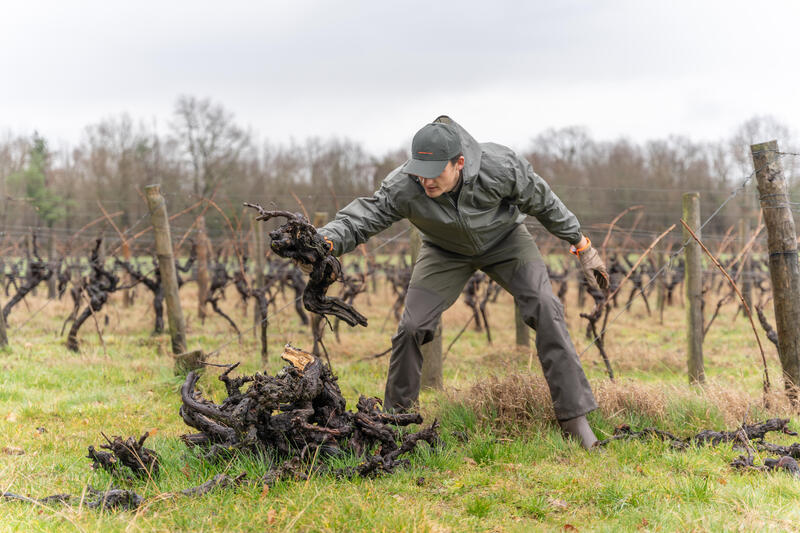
(306, 268)
(594, 269)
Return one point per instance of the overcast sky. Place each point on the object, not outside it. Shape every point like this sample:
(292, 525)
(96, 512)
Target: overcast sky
(375, 71)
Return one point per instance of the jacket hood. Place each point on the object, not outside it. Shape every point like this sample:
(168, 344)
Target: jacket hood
(469, 147)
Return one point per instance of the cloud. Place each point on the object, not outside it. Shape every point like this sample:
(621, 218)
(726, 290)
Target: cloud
(375, 71)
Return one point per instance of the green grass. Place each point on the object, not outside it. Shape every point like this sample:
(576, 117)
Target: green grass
(490, 474)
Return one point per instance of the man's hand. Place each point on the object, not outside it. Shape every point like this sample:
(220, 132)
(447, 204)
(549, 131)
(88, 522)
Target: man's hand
(307, 268)
(594, 269)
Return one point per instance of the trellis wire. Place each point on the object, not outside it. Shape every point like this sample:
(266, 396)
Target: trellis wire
(672, 256)
(287, 304)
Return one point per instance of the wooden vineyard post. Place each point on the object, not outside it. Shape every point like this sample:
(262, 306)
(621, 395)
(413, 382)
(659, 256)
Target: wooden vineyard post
(166, 265)
(317, 322)
(3, 334)
(258, 252)
(745, 282)
(523, 336)
(694, 289)
(432, 351)
(127, 295)
(661, 287)
(101, 252)
(784, 270)
(202, 268)
(29, 255)
(52, 282)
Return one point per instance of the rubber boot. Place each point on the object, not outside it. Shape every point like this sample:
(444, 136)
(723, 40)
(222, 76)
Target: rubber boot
(578, 428)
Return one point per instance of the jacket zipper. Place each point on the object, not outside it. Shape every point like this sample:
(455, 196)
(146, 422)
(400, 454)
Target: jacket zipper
(463, 224)
(459, 219)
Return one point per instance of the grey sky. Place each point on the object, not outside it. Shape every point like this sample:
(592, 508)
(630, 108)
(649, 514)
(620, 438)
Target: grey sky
(375, 71)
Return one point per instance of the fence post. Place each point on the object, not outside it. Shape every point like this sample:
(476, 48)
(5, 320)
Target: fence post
(166, 265)
(101, 252)
(694, 289)
(661, 286)
(52, 282)
(3, 334)
(258, 251)
(202, 268)
(746, 282)
(432, 351)
(29, 257)
(523, 331)
(784, 269)
(127, 295)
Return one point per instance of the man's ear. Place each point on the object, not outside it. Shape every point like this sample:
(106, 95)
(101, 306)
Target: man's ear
(460, 163)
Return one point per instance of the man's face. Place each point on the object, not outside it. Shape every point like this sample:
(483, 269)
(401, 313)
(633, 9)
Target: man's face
(444, 182)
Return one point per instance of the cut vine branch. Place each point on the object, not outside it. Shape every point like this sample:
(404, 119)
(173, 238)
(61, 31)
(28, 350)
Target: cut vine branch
(298, 240)
(299, 413)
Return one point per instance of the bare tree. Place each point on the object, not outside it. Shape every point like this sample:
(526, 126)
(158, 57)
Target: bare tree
(209, 140)
(215, 148)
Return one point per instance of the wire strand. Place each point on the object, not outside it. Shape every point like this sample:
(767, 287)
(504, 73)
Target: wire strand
(668, 264)
(285, 306)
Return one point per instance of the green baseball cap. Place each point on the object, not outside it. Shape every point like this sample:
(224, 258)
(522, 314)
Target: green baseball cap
(431, 149)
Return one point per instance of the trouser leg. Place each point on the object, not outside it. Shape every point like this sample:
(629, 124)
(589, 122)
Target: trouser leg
(417, 327)
(519, 268)
(436, 283)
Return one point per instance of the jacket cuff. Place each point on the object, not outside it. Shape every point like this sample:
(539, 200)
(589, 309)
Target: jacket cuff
(327, 237)
(577, 240)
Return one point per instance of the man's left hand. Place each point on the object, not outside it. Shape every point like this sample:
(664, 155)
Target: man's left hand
(591, 263)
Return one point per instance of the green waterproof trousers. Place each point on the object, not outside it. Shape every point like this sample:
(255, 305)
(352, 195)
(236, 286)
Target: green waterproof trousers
(515, 263)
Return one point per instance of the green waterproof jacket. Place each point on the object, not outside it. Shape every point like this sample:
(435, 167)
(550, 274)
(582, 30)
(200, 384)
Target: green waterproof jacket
(498, 189)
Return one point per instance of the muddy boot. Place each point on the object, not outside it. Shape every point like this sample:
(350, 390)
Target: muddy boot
(578, 428)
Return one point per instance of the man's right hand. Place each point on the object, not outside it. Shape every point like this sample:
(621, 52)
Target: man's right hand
(594, 269)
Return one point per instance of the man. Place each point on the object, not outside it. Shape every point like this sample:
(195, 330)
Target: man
(469, 201)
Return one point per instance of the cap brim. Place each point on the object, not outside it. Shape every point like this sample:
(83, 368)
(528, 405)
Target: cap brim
(424, 169)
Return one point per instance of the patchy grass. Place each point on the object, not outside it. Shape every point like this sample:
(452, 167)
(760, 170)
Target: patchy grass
(503, 465)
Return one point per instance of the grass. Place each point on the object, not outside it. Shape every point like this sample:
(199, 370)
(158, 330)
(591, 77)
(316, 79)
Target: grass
(503, 465)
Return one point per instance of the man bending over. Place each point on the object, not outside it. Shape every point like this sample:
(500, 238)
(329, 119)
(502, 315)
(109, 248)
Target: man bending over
(469, 200)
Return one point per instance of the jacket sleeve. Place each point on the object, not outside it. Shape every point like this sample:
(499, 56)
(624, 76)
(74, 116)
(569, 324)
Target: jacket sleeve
(533, 196)
(359, 220)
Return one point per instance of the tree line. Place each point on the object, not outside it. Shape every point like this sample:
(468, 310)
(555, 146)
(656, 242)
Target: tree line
(207, 154)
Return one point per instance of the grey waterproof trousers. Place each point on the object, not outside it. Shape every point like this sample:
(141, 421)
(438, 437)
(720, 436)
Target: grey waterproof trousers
(515, 263)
